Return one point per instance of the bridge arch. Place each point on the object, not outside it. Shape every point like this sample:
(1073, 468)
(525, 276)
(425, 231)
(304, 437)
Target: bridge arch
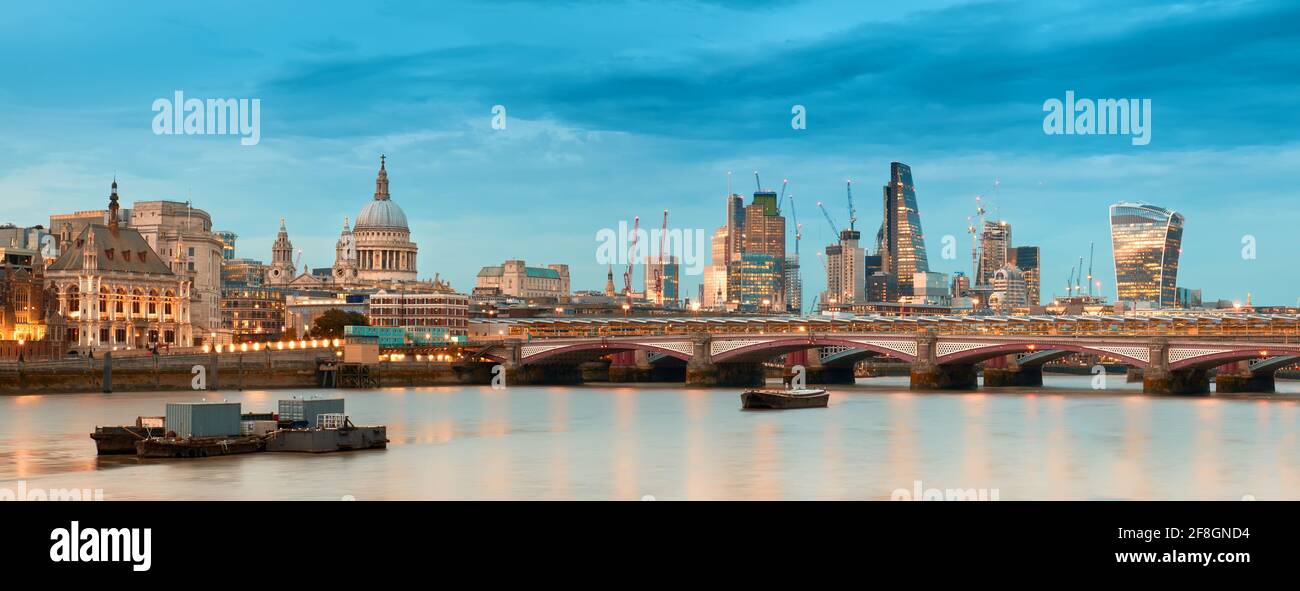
(754, 350)
(1265, 355)
(1041, 352)
(591, 350)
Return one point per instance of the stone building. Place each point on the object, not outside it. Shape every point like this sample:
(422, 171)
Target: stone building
(114, 290)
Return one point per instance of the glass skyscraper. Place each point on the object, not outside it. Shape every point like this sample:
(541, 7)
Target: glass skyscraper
(1147, 241)
(900, 242)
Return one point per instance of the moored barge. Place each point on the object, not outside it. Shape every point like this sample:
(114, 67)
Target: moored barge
(783, 399)
(197, 447)
(121, 439)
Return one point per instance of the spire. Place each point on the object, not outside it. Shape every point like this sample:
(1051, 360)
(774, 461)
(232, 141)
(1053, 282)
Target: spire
(346, 228)
(282, 225)
(113, 207)
(381, 181)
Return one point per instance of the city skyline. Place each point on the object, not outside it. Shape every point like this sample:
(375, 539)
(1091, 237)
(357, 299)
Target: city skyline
(581, 152)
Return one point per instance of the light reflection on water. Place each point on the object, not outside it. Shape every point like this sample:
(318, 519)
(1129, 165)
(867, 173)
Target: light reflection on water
(623, 442)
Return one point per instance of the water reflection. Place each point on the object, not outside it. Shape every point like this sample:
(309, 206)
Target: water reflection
(624, 442)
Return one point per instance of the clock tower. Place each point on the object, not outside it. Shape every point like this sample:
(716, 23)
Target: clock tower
(282, 269)
(345, 257)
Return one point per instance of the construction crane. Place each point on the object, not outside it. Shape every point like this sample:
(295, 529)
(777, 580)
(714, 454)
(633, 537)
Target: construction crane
(974, 229)
(779, 199)
(1069, 284)
(757, 183)
(631, 260)
(835, 229)
(659, 263)
(1092, 251)
(798, 228)
(853, 213)
(1078, 289)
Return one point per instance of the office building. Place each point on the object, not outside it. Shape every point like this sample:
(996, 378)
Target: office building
(900, 241)
(1147, 241)
(1026, 259)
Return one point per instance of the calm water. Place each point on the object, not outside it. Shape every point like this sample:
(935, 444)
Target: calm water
(604, 442)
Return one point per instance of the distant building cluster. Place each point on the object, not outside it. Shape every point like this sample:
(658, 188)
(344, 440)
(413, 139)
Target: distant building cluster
(157, 275)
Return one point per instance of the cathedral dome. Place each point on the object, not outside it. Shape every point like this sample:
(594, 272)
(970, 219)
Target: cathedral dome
(382, 213)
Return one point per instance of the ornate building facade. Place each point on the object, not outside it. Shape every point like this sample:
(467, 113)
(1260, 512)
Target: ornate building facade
(114, 290)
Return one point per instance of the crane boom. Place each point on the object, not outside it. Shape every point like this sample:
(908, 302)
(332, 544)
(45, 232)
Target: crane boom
(798, 229)
(757, 183)
(1092, 250)
(835, 231)
(853, 213)
(631, 260)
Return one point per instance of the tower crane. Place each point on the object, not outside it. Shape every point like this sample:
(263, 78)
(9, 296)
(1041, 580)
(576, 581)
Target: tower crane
(1078, 289)
(659, 266)
(853, 213)
(798, 228)
(779, 199)
(1092, 250)
(631, 260)
(757, 183)
(975, 229)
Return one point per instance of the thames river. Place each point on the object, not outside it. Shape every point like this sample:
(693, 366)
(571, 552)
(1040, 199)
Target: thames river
(669, 442)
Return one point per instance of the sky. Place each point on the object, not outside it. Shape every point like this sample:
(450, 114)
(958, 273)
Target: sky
(623, 109)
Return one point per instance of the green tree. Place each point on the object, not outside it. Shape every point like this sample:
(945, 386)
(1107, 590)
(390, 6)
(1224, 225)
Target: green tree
(330, 324)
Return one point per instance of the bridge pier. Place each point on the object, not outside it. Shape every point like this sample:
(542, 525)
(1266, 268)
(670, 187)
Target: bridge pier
(1012, 374)
(630, 366)
(702, 371)
(927, 374)
(1237, 377)
(1157, 378)
(542, 374)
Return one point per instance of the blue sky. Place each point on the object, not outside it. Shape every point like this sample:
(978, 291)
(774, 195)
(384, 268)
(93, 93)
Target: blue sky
(618, 109)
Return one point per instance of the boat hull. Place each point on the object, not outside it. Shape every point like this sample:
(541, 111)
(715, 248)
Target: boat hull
(327, 440)
(779, 399)
(121, 440)
(197, 447)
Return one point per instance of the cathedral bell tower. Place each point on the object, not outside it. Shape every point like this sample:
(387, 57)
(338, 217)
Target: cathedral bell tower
(345, 257)
(282, 268)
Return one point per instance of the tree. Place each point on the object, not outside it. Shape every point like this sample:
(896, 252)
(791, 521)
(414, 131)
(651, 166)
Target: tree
(330, 324)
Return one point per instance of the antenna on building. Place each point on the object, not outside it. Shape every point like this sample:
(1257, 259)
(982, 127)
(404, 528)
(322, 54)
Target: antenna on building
(728, 184)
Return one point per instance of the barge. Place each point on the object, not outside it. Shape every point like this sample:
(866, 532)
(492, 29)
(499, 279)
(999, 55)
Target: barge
(783, 399)
(335, 433)
(121, 439)
(197, 447)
